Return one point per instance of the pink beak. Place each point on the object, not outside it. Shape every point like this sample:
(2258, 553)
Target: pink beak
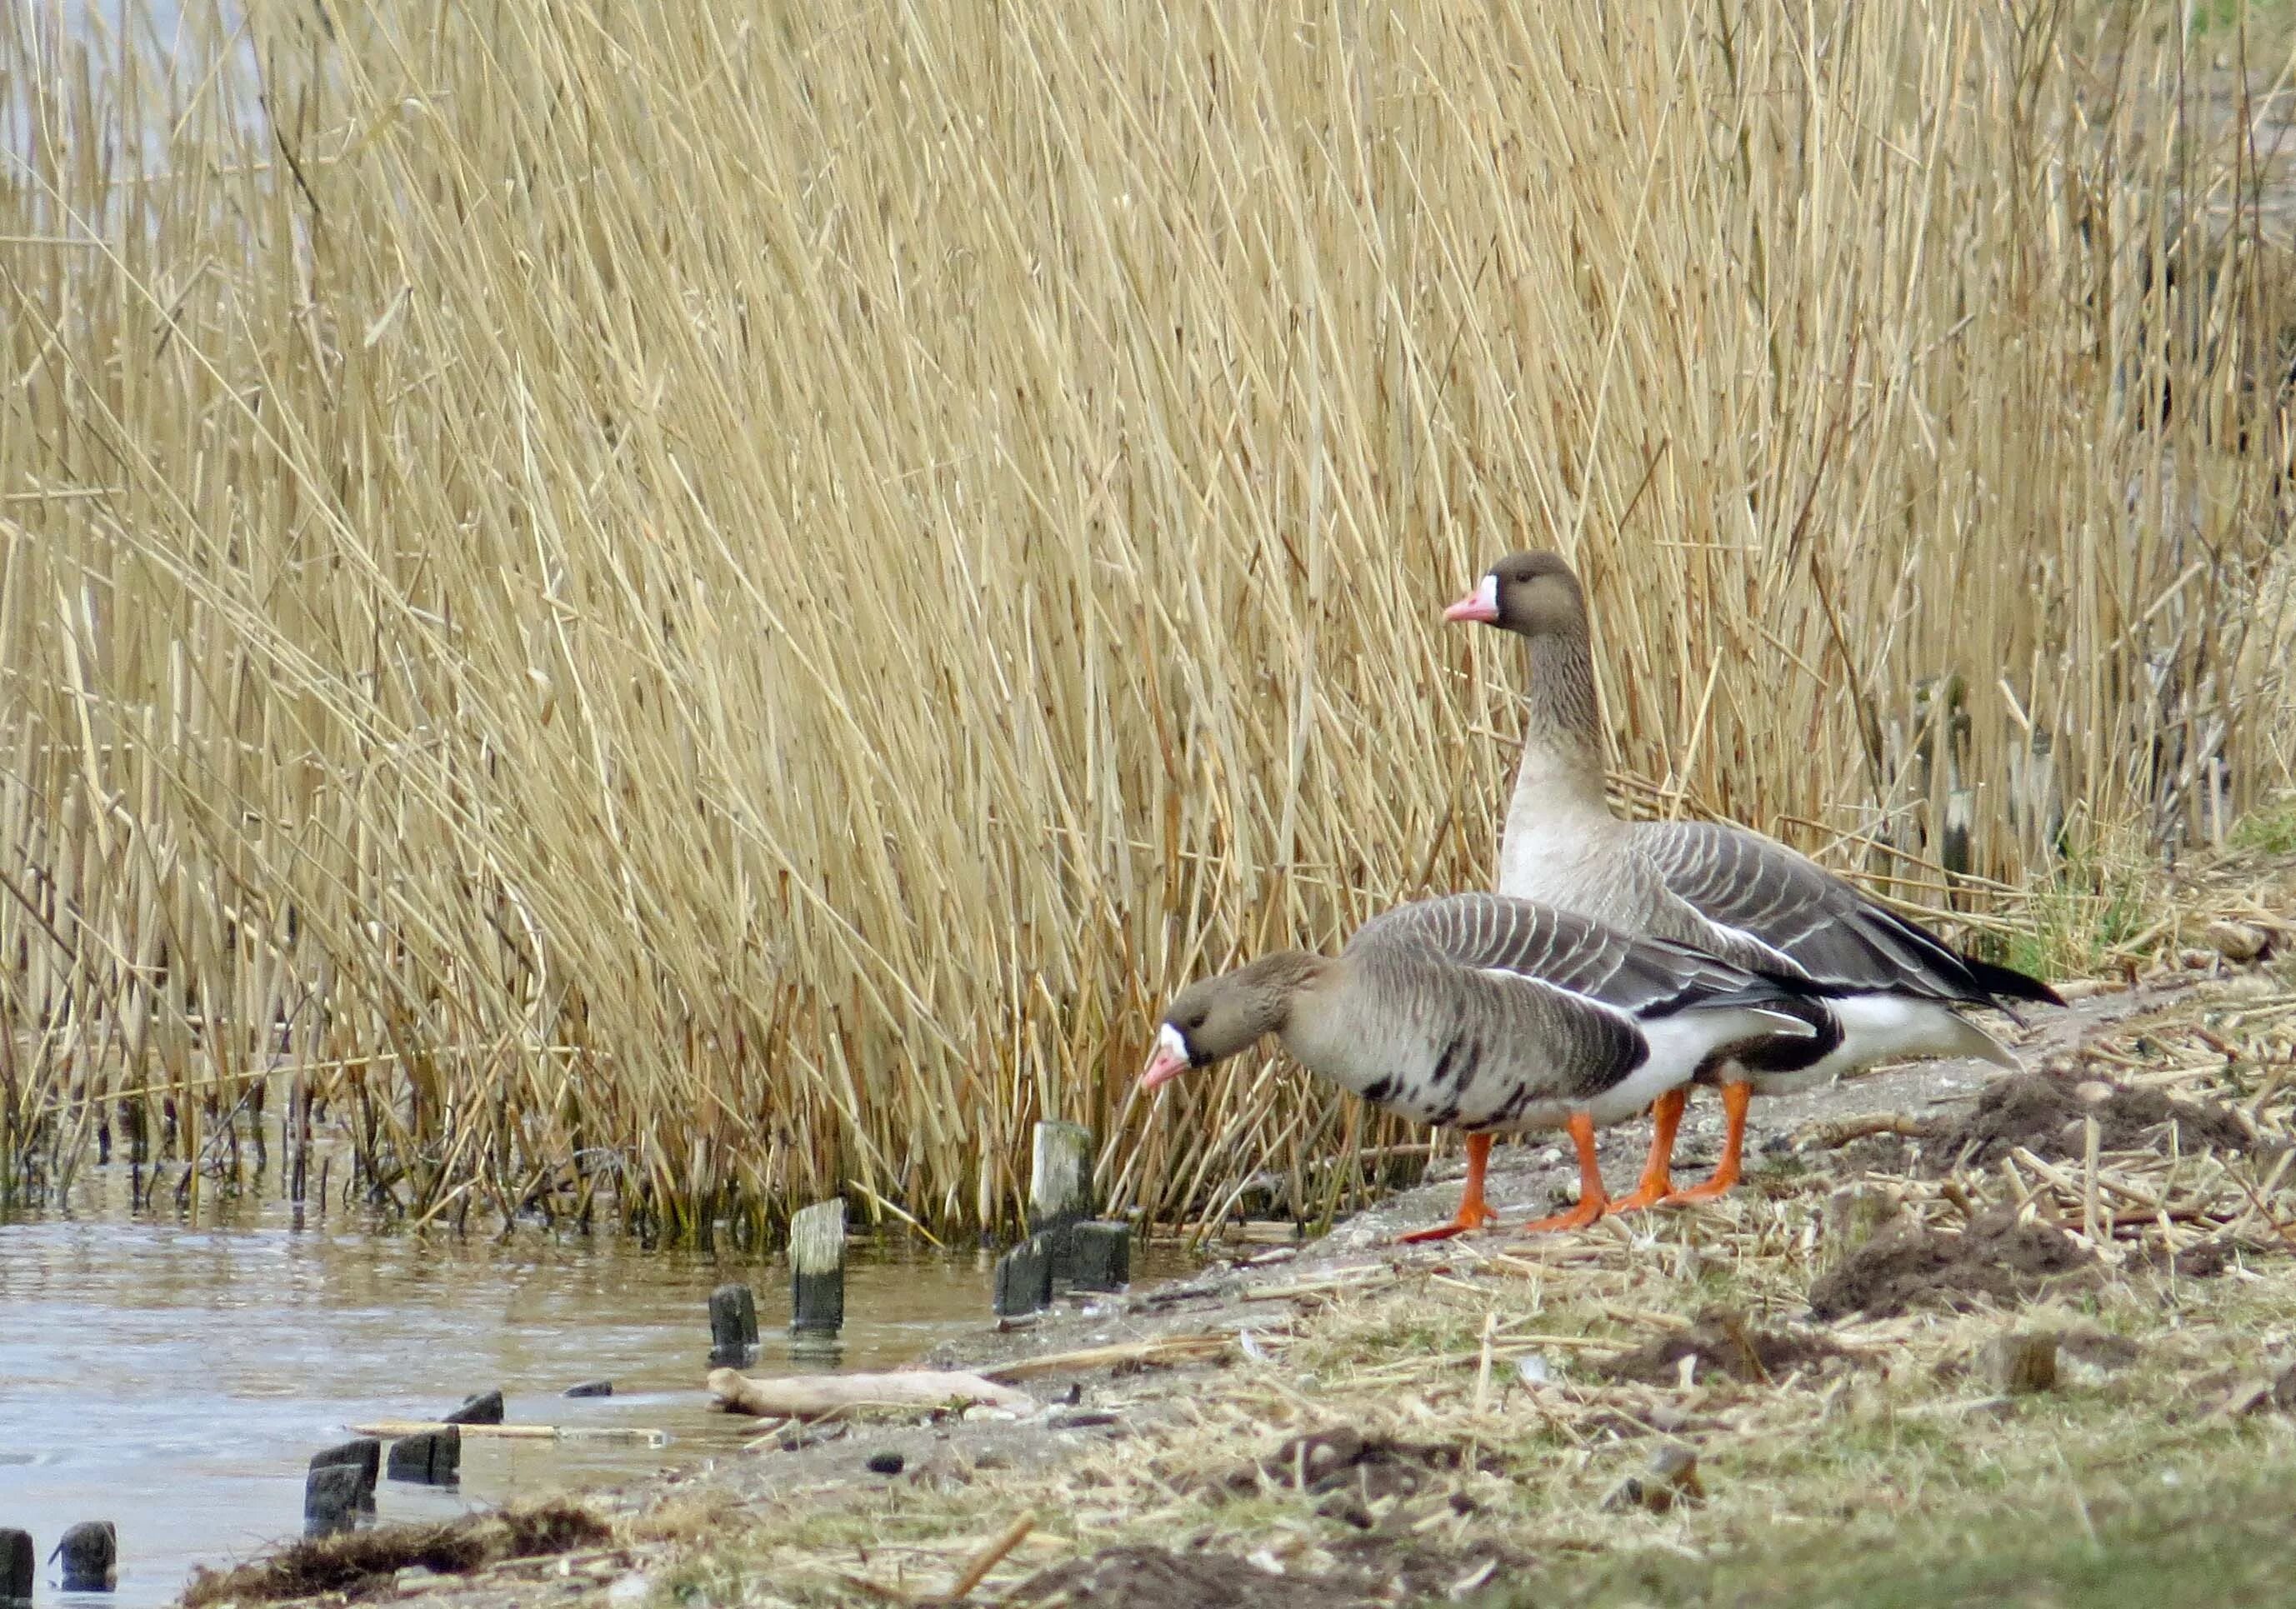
(1481, 605)
(1169, 1060)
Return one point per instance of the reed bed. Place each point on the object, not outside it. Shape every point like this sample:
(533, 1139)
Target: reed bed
(662, 612)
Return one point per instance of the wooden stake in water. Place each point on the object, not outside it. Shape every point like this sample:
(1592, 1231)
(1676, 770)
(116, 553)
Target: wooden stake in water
(433, 1458)
(733, 1324)
(90, 1551)
(1100, 1257)
(816, 1254)
(20, 1566)
(1024, 1278)
(1060, 1188)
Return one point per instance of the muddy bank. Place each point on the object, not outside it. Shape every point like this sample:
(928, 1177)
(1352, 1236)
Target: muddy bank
(1351, 1422)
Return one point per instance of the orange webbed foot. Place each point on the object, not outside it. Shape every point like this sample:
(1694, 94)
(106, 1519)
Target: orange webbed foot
(1474, 1213)
(1592, 1201)
(1736, 1098)
(1466, 1222)
(1578, 1218)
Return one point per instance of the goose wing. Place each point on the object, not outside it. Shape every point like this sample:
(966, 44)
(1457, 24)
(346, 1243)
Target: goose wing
(1758, 887)
(1640, 977)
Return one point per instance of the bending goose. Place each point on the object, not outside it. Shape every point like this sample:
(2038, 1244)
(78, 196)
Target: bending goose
(1493, 1015)
(1894, 989)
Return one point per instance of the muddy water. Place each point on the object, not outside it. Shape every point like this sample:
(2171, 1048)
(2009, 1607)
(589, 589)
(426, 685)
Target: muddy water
(175, 1376)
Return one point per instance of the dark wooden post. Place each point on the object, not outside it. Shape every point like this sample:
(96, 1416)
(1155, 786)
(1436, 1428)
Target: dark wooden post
(1060, 1186)
(432, 1458)
(20, 1566)
(1100, 1257)
(1024, 1278)
(485, 1409)
(91, 1557)
(732, 1325)
(817, 1253)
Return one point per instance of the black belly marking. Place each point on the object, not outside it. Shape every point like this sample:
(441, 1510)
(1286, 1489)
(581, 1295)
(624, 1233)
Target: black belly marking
(1443, 1063)
(1513, 1106)
(1378, 1092)
(1445, 1118)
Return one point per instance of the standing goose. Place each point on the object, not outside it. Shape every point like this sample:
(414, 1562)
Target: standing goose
(1894, 990)
(1492, 1016)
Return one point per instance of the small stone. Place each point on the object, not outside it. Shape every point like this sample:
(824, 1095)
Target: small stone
(1080, 1418)
(2247, 1396)
(2237, 941)
(799, 1437)
(590, 1388)
(2020, 1363)
(1671, 1480)
(2283, 1390)
(886, 1463)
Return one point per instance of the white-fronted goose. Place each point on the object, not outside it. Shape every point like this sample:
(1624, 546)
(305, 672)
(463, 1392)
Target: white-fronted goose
(1492, 1016)
(1743, 897)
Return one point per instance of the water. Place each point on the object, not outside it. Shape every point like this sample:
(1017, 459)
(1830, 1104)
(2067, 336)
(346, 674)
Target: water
(176, 1377)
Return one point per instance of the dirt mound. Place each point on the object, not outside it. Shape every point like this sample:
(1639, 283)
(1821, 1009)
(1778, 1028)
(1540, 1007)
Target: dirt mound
(2207, 1259)
(1996, 1258)
(1722, 1340)
(1369, 1571)
(358, 1559)
(1155, 1578)
(1346, 1460)
(2046, 1113)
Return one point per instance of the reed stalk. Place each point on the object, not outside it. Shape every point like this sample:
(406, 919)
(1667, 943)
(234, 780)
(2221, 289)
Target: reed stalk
(675, 609)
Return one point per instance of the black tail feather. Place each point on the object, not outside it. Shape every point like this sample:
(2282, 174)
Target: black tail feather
(2006, 983)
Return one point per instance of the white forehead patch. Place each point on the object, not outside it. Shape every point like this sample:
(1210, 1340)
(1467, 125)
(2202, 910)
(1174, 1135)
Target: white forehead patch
(1488, 594)
(1171, 1042)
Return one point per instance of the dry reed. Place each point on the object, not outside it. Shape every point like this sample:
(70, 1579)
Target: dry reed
(670, 610)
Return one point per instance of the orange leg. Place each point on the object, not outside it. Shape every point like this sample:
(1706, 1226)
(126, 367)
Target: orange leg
(1658, 1183)
(1735, 1097)
(1590, 1198)
(1474, 1212)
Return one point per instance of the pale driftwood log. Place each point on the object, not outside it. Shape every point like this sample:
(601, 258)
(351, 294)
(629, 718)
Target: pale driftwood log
(395, 1428)
(812, 1396)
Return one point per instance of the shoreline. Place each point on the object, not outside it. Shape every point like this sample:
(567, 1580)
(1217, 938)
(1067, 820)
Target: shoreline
(1284, 1342)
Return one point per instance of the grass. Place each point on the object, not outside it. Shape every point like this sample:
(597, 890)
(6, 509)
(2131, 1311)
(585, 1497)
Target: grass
(2269, 831)
(2205, 1541)
(1892, 1478)
(656, 620)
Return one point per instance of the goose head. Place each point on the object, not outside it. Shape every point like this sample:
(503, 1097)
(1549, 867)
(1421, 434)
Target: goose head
(1530, 594)
(1213, 1019)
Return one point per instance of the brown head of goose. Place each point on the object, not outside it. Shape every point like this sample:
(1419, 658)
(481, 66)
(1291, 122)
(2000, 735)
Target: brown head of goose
(1894, 989)
(1491, 1015)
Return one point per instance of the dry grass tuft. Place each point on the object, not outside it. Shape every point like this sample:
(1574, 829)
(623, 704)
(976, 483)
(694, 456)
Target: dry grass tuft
(1414, 1416)
(354, 1562)
(670, 611)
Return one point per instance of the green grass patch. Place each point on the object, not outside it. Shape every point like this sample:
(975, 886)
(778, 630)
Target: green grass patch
(2218, 1535)
(2270, 830)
